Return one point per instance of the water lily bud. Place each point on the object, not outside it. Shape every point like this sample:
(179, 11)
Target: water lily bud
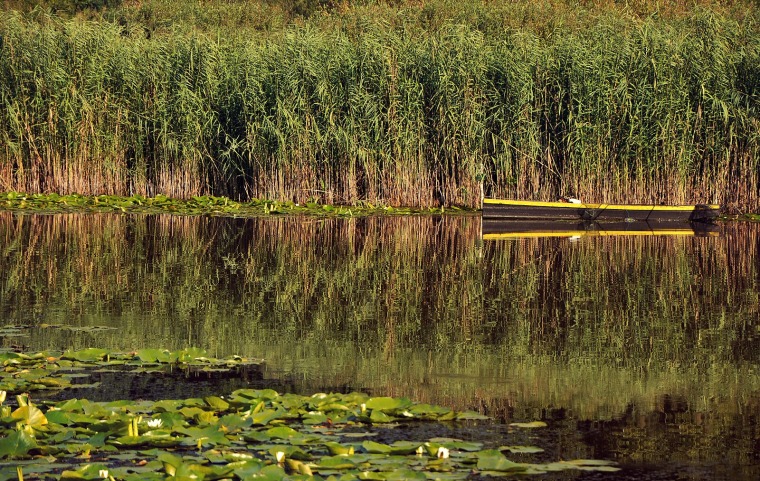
(3, 395)
(103, 473)
(280, 456)
(420, 451)
(443, 453)
(363, 407)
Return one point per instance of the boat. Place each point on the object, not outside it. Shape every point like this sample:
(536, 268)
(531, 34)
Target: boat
(576, 210)
(502, 229)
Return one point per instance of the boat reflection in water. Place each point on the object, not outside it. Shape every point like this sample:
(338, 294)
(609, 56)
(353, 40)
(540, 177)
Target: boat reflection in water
(497, 229)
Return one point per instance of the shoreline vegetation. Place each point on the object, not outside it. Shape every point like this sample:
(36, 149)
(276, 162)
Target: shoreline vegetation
(201, 205)
(387, 103)
(223, 206)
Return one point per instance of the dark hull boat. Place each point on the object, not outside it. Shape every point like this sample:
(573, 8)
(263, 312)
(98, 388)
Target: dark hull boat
(530, 210)
(497, 229)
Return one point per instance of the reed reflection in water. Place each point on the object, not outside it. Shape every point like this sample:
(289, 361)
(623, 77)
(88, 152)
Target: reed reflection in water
(652, 339)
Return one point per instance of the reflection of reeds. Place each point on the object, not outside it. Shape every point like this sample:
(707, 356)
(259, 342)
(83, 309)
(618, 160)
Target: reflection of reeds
(623, 109)
(656, 298)
(399, 304)
(317, 275)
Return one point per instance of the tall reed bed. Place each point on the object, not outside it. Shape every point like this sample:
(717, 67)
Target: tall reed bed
(625, 110)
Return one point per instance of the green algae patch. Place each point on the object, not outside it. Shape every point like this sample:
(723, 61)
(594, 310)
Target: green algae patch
(247, 434)
(199, 205)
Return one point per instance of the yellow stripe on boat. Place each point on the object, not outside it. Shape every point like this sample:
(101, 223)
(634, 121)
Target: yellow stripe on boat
(568, 205)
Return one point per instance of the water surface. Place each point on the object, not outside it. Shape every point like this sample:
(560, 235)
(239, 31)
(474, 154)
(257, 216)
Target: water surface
(644, 350)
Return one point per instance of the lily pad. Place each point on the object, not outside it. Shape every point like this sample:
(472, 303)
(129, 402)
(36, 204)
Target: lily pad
(529, 425)
(16, 444)
(522, 449)
(493, 460)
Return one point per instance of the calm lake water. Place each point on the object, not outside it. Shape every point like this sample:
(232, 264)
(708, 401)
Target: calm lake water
(640, 349)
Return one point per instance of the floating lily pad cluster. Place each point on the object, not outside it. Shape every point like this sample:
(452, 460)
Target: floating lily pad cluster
(199, 205)
(250, 434)
(55, 371)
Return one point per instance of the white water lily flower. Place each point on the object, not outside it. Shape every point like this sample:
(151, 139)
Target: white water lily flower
(3, 395)
(420, 451)
(280, 456)
(155, 423)
(443, 453)
(103, 473)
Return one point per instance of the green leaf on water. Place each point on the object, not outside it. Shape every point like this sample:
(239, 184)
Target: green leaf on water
(217, 403)
(521, 449)
(292, 452)
(88, 471)
(336, 462)
(379, 417)
(405, 474)
(234, 421)
(337, 449)
(204, 436)
(171, 419)
(316, 418)
(86, 355)
(167, 405)
(374, 447)
(589, 462)
(387, 403)
(206, 417)
(249, 468)
(153, 355)
(404, 447)
(282, 432)
(191, 412)
(471, 416)
(530, 425)
(428, 411)
(493, 460)
(458, 444)
(263, 418)
(16, 444)
(30, 415)
(179, 468)
(591, 465)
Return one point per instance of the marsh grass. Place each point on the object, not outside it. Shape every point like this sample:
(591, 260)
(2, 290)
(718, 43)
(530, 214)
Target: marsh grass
(345, 108)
